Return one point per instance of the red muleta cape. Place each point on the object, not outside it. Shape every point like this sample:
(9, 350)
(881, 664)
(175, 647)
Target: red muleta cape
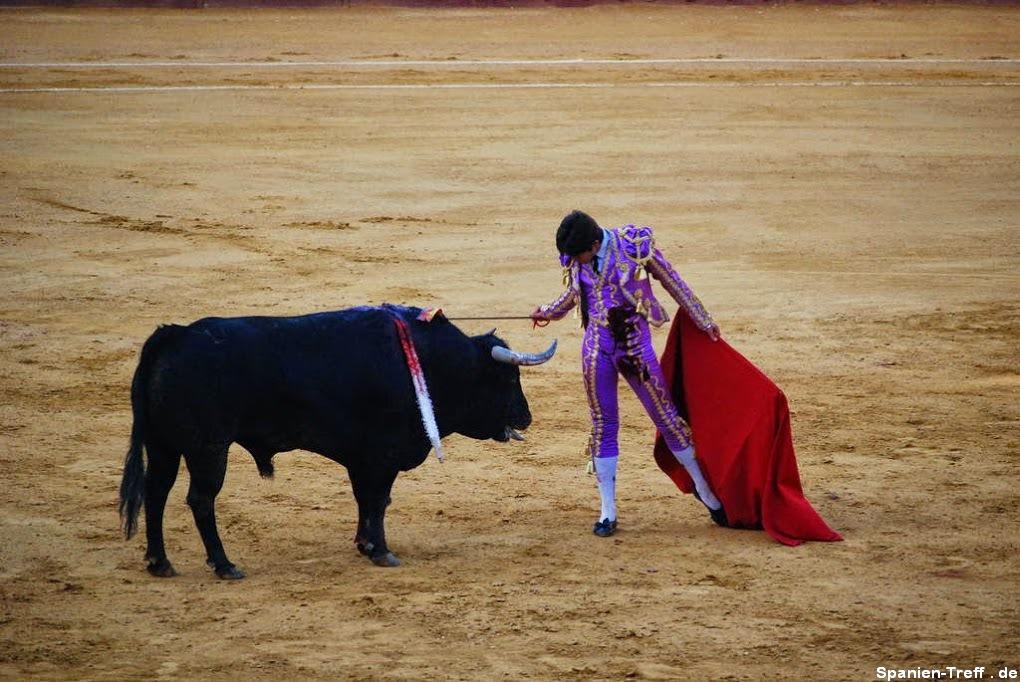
(741, 426)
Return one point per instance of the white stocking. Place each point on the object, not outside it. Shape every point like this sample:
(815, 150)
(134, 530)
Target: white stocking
(686, 458)
(605, 473)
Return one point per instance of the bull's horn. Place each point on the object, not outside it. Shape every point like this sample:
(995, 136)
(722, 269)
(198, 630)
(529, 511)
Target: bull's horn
(501, 354)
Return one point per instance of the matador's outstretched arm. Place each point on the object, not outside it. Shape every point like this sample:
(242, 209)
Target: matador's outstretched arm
(671, 281)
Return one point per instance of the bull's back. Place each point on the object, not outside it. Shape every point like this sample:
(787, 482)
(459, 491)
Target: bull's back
(286, 382)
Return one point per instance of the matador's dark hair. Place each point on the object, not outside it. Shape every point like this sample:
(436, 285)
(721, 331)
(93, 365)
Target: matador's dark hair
(577, 232)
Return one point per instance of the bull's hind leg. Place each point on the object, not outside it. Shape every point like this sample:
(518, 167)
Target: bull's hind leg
(208, 467)
(372, 491)
(159, 479)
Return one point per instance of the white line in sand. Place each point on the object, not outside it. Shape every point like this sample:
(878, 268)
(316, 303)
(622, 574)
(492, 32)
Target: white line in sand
(453, 63)
(505, 86)
(877, 273)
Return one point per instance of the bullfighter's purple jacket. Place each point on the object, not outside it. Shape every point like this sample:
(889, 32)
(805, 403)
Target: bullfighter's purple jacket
(621, 282)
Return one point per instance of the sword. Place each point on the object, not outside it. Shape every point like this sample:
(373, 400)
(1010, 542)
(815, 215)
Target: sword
(495, 317)
(427, 315)
(535, 323)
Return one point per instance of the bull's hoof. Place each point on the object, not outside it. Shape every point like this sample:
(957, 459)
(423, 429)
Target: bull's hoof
(230, 572)
(161, 568)
(388, 560)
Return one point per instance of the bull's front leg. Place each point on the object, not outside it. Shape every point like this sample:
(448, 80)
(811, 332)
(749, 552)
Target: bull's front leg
(372, 492)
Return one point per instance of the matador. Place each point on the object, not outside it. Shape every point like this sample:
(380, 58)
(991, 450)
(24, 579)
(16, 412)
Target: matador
(605, 274)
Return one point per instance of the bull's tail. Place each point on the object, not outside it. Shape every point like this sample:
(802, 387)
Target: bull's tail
(132, 485)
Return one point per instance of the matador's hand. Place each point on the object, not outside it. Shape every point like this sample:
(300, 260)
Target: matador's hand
(713, 332)
(539, 318)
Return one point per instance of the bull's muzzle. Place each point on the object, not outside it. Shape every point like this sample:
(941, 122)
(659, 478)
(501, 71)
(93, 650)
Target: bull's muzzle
(501, 354)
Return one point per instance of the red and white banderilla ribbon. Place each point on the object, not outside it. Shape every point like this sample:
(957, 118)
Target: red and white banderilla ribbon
(421, 391)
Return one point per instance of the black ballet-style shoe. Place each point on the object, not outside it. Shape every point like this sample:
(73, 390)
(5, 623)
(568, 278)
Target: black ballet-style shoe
(604, 528)
(718, 515)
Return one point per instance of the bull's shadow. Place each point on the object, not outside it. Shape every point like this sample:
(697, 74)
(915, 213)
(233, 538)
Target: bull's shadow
(336, 383)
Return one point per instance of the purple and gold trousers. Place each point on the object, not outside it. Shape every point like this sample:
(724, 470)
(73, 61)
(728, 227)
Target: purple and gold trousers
(625, 347)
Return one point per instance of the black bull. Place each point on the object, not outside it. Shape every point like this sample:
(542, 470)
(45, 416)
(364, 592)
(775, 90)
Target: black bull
(332, 383)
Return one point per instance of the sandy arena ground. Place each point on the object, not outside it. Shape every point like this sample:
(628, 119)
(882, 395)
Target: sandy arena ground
(853, 226)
